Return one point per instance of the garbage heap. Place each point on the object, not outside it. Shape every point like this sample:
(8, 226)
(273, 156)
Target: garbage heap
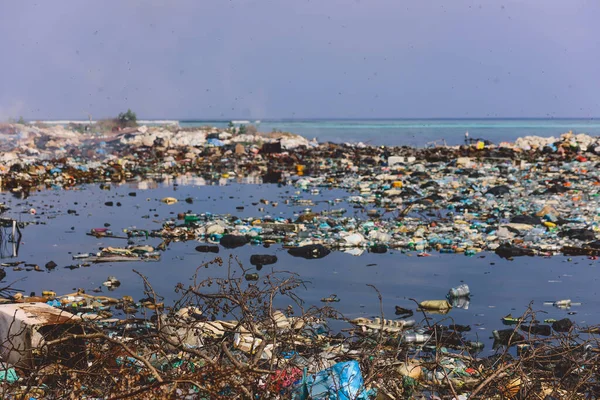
(527, 199)
(240, 338)
(55, 156)
(541, 216)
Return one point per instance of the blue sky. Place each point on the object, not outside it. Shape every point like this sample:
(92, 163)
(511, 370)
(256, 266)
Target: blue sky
(300, 58)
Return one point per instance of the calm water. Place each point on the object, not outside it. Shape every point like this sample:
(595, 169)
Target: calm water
(499, 289)
(420, 132)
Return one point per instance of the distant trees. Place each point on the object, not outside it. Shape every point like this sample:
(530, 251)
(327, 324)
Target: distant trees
(243, 129)
(11, 120)
(127, 119)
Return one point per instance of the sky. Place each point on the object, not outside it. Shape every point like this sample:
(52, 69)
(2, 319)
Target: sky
(230, 59)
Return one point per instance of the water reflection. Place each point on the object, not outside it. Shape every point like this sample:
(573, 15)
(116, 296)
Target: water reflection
(460, 302)
(10, 238)
(190, 180)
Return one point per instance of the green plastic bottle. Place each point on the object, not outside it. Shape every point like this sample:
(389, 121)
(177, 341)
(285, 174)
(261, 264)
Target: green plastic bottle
(190, 218)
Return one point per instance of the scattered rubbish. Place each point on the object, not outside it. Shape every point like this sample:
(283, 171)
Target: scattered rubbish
(435, 305)
(415, 338)
(25, 327)
(563, 325)
(534, 197)
(405, 312)
(508, 251)
(207, 248)
(112, 282)
(460, 302)
(385, 325)
(331, 299)
(507, 337)
(312, 251)
(341, 381)
(565, 304)
(580, 251)
(459, 291)
(542, 330)
(50, 265)
(498, 190)
(79, 256)
(460, 328)
(510, 320)
(251, 277)
(378, 249)
(8, 374)
(262, 259)
(233, 241)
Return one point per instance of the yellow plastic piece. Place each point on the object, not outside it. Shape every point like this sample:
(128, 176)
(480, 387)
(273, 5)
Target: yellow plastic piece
(169, 200)
(435, 305)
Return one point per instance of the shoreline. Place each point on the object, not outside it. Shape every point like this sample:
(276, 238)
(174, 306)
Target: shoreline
(224, 337)
(477, 192)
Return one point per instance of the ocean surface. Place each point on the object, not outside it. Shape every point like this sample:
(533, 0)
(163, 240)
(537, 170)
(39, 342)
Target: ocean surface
(418, 132)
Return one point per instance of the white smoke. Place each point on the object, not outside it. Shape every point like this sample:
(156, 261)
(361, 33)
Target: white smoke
(12, 111)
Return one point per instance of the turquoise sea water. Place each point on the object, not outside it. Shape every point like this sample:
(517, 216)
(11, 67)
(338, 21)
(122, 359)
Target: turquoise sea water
(419, 132)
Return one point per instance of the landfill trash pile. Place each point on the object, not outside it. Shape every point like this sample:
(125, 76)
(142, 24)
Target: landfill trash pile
(226, 338)
(250, 335)
(55, 156)
(454, 216)
(533, 197)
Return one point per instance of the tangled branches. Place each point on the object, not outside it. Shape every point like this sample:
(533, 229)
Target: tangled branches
(239, 337)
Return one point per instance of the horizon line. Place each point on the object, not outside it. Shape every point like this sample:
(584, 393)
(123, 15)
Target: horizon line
(292, 119)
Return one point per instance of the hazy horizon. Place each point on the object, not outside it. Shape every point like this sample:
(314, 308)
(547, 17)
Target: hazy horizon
(259, 59)
(301, 119)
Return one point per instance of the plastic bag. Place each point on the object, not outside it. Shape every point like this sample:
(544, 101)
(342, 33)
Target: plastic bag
(342, 381)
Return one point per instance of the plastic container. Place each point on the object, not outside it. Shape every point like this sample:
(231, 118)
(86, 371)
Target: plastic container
(460, 291)
(191, 218)
(82, 255)
(477, 346)
(413, 337)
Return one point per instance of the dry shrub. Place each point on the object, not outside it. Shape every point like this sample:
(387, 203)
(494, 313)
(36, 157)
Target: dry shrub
(186, 350)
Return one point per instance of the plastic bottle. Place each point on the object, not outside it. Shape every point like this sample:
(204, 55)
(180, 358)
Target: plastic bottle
(82, 255)
(476, 345)
(562, 303)
(412, 337)
(459, 291)
(191, 218)
(408, 323)
(523, 348)
(251, 277)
